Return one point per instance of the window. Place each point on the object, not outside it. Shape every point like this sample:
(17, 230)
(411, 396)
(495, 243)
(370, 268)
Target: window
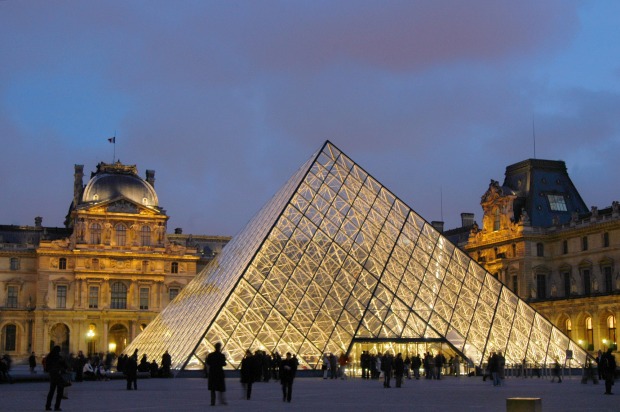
(587, 284)
(93, 297)
(14, 263)
(608, 279)
(568, 328)
(174, 268)
(173, 293)
(589, 333)
(11, 298)
(144, 298)
(119, 296)
(565, 247)
(496, 220)
(10, 337)
(611, 328)
(62, 263)
(145, 236)
(514, 250)
(95, 234)
(557, 203)
(566, 277)
(121, 234)
(584, 243)
(606, 239)
(96, 264)
(515, 284)
(541, 286)
(61, 296)
(540, 249)
(145, 265)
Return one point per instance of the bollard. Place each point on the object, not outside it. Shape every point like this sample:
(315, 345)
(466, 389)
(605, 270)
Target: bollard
(523, 405)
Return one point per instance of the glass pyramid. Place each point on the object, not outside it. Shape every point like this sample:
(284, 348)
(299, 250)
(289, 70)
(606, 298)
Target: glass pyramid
(335, 257)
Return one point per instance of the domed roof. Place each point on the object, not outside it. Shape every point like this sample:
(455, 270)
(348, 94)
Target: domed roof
(116, 180)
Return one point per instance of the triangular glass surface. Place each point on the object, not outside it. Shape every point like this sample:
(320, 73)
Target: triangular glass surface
(334, 256)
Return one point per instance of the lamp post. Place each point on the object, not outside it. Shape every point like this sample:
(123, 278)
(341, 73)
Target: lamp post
(90, 337)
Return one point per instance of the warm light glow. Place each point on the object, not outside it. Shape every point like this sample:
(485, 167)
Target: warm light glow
(90, 333)
(112, 347)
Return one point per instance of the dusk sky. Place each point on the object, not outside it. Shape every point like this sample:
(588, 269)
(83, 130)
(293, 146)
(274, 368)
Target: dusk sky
(226, 99)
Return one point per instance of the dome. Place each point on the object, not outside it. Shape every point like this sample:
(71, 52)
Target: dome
(118, 180)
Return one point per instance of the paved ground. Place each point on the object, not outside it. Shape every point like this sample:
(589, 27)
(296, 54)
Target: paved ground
(315, 394)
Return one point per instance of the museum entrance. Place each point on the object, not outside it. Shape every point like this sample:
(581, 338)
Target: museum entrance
(456, 363)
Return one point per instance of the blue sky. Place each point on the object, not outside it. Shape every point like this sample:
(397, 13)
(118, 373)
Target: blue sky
(226, 99)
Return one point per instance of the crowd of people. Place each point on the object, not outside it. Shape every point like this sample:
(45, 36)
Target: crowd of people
(255, 367)
(386, 366)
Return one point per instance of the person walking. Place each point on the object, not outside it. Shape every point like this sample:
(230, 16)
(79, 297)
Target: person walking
(288, 369)
(55, 366)
(32, 362)
(216, 362)
(557, 372)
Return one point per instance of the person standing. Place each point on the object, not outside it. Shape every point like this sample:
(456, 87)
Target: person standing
(399, 369)
(416, 363)
(288, 369)
(608, 363)
(131, 371)
(216, 362)
(166, 363)
(248, 373)
(55, 366)
(32, 362)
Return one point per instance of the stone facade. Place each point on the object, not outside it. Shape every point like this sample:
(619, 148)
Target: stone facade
(94, 285)
(565, 266)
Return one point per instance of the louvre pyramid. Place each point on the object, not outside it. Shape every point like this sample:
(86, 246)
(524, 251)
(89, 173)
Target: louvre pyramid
(333, 258)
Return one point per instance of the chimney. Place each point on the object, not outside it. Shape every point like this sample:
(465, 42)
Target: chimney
(467, 219)
(178, 231)
(438, 225)
(78, 185)
(38, 222)
(150, 177)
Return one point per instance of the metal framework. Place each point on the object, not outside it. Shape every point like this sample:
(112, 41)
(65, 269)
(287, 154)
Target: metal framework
(334, 256)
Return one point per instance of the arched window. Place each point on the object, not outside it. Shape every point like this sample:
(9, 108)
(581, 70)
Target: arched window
(119, 296)
(611, 328)
(589, 333)
(174, 268)
(121, 234)
(496, 220)
(568, 328)
(95, 234)
(145, 236)
(10, 337)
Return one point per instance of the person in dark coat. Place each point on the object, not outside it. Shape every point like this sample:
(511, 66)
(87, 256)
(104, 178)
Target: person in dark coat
(131, 371)
(249, 368)
(399, 369)
(166, 362)
(55, 366)
(608, 363)
(387, 364)
(416, 363)
(288, 369)
(216, 362)
(32, 362)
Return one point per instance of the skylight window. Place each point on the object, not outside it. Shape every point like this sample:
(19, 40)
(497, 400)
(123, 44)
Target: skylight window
(557, 203)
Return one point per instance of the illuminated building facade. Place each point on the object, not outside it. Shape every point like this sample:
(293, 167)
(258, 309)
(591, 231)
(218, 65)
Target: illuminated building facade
(539, 238)
(94, 285)
(335, 261)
